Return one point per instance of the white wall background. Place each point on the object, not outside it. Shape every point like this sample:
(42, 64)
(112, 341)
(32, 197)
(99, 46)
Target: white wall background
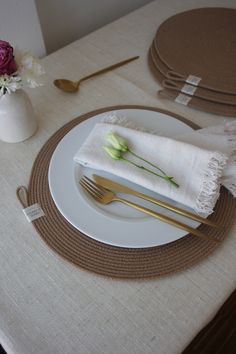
(63, 21)
(19, 24)
(43, 26)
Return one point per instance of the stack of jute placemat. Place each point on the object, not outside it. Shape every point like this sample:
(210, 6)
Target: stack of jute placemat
(119, 262)
(193, 57)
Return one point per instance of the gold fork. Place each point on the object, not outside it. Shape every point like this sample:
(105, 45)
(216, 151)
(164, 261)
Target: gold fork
(105, 196)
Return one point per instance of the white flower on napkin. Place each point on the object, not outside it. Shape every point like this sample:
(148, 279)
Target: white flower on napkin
(119, 146)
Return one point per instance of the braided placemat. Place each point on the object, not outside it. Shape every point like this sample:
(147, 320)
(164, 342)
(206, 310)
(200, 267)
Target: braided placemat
(108, 260)
(158, 71)
(201, 92)
(201, 42)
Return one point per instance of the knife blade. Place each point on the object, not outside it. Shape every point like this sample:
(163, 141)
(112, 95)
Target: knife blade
(117, 187)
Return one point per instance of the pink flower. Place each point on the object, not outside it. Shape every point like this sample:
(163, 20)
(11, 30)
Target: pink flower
(7, 63)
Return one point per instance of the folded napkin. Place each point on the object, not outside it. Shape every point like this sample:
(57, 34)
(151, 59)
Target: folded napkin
(198, 170)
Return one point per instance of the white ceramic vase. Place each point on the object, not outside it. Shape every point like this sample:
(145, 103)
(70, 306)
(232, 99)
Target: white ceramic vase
(17, 118)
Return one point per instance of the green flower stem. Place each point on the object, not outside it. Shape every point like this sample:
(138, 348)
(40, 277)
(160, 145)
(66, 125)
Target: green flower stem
(166, 178)
(170, 179)
(141, 158)
(119, 146)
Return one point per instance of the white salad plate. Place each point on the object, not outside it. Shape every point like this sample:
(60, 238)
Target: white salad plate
(114, 224)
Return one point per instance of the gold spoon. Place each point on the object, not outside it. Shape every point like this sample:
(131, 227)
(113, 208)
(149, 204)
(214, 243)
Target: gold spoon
(73, 86)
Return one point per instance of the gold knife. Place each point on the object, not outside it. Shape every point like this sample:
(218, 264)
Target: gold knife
(116, 187)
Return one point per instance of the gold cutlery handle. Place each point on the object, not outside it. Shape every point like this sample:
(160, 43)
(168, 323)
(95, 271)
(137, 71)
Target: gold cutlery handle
(177, 210)
(111, 67)
(166, 219)
(109, 184)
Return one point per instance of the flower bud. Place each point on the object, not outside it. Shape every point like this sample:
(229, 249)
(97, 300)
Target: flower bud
(112, 152)
(7, 62)
(117, 142)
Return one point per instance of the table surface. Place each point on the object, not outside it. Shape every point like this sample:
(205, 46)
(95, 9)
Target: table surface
(47, 305)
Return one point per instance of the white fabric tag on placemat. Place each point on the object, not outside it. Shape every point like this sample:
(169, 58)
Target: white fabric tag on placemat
(33, 212)
(193, 80)
(183, 99)
(189, 89)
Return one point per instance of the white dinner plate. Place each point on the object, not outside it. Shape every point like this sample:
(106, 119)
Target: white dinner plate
(115, 224)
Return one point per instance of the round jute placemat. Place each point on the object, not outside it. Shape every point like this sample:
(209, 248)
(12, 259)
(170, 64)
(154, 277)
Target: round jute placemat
(108, 260)
(193, 101)
(201, 42)
(180, 84)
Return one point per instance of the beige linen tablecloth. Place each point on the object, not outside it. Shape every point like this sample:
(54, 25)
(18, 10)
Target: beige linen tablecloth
(50, 306)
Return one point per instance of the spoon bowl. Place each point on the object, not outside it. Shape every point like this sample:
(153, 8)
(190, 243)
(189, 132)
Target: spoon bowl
(67, 85)
(73, 86)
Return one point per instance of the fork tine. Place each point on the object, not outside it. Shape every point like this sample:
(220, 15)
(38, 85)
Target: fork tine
(91, 188)
(98, 186)
(94, 185)
(90, 191)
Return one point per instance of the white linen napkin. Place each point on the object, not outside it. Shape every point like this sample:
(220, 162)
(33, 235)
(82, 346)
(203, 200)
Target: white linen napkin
(198, 170)
(220, 138)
